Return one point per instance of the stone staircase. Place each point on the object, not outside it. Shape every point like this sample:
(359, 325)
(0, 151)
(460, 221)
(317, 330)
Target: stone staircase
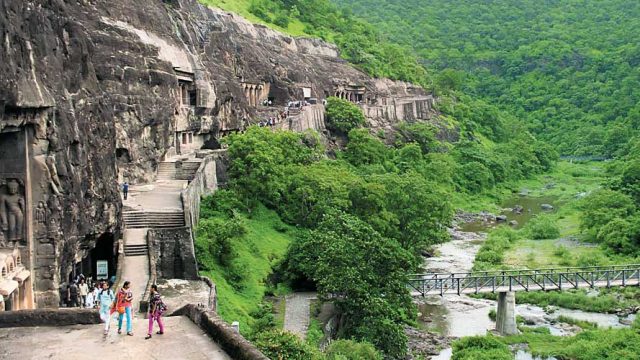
(137, 219)
(167, 170)
(136, 250)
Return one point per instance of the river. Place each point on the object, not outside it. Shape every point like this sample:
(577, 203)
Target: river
(459, 316)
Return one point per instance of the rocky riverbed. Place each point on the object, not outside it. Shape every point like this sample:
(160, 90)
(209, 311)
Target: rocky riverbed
(454, 316)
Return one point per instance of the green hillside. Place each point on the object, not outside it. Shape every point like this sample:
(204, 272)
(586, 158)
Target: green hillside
(569, 69)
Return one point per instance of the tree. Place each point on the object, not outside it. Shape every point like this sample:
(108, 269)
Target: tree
(364, 149)
(363, 273)
(343, 116)
(603, 206)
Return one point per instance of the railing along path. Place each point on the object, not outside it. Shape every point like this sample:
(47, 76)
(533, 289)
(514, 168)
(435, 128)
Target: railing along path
(524, 280)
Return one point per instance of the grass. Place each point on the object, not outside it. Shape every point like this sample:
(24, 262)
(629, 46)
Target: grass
(607, 300)
(583, 324)
(258, 251)
(619, 344)
(241, 7)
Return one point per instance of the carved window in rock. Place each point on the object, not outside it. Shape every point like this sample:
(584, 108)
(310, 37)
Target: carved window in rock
(190, 138)
(184, 138)
(18, 260)
(4, 272)
(184, 94)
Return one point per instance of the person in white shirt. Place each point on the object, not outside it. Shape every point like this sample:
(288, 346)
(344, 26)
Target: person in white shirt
(89, 304)
(84, 290)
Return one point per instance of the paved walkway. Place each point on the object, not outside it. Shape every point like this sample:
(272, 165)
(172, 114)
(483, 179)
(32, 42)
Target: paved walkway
(182, 340)
(298, 312)
(136, 268)
(162, 195)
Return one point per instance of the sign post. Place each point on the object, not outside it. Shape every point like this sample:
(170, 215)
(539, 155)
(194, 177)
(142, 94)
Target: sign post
(102, 269)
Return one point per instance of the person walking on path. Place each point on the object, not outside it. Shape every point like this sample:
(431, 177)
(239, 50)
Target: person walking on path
(156, 309)
(123, 307)
(125, 189)
(106, 298)
(84, 291)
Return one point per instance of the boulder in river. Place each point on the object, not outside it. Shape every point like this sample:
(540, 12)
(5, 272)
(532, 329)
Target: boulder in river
(546, 207)
(513, 223)
(518, 209)
(501, 218)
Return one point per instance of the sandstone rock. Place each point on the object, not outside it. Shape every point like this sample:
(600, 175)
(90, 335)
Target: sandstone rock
(546, 207)
(501, 218)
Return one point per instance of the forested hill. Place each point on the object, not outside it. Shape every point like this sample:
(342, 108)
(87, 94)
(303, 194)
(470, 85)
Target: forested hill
(569, 68)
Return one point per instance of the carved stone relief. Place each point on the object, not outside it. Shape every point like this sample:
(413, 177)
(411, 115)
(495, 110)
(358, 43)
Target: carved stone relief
(12, 211)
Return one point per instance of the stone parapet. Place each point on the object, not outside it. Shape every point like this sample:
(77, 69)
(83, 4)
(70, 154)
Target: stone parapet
(222, 333)
(48, 317)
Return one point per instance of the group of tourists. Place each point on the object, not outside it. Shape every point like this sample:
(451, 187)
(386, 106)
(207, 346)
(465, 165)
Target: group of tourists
(122, 302)
(269, 122)
(79, 293)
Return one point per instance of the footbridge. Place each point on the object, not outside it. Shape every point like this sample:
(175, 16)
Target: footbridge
(507, 282)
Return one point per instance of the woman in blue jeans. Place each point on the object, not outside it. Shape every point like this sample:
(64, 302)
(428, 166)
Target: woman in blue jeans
(123, 300)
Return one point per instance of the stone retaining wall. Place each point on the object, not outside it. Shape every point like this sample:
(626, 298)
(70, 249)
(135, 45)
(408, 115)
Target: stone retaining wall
(171, 253)
(231, 342)
(48, 317)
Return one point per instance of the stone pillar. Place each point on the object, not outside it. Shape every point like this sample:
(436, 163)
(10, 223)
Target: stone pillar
(506, 313)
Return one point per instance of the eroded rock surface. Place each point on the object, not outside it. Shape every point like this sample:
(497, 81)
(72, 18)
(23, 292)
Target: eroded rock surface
(93, 93)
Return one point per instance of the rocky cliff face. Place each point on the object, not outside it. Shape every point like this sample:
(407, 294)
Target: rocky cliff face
(94, 92)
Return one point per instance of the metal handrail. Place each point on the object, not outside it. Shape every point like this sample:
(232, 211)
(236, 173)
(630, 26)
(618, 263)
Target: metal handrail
(537, 279)
(524, 271)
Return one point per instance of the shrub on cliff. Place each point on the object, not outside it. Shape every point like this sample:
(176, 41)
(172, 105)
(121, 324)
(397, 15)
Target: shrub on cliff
(343, 116)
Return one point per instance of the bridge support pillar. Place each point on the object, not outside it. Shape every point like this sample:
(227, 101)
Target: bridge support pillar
(506, 313)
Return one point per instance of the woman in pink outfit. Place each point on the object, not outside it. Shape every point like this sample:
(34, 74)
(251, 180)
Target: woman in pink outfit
(156, 309)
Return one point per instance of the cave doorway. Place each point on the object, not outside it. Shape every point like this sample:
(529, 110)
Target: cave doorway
(104, 253)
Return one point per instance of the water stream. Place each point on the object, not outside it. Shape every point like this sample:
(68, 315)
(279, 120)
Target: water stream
(460, 316)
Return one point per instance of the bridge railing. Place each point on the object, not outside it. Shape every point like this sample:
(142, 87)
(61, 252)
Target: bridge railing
(525, 280)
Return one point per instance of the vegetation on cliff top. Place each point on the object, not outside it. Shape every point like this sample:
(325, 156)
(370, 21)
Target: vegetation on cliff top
(360, 43)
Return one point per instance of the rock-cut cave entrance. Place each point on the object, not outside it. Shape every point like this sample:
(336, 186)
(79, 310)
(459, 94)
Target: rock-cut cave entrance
(101, 263)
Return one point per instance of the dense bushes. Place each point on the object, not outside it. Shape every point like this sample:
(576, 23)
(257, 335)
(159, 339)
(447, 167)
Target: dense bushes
(282, 345)
(543, 227)
(491, 254)
(351, 350)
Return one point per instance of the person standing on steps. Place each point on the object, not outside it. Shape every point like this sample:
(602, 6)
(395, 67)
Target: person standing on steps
(125, 189)
(156, 309)
(106, 298)
(123, 307)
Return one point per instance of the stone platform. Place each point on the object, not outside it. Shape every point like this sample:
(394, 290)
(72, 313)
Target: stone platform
(182, 340)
